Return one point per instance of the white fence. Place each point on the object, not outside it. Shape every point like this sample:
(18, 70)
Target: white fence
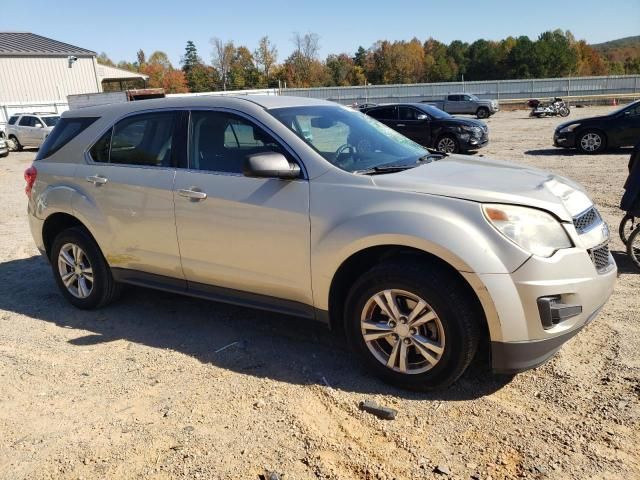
(494, 89)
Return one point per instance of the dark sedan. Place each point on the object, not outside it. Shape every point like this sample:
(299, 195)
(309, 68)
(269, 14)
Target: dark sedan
(595, 134)
(431, 127)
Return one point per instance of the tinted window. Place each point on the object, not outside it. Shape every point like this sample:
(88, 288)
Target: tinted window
(50, 121)
(409, 113)
(434, 112)
(219, 142)
(65, 131)
(633, 111)
(100, 150)
(384, 113)
(454, 98)
(143, 140)
(27, 121)
(13, 120)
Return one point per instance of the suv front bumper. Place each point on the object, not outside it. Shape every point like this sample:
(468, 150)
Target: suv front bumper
(521, 341)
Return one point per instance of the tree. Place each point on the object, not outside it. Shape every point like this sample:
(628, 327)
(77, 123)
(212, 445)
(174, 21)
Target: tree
(103, 59)
(242, 70)
(162, 74)
(199, 77)
(360, 57)
(266, 55)
(141, 58)
(221, 58)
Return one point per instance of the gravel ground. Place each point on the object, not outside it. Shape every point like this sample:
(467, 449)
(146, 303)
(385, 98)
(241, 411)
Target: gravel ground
(162, 386)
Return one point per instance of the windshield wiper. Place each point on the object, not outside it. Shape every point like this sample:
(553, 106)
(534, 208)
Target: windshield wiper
(384, 169)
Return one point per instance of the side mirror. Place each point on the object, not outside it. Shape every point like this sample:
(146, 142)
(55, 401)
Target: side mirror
(422, 116)
(38, 125)
(269, 165)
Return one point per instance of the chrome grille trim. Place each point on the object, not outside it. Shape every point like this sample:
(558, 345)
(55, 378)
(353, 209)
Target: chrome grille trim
(600, 257)
(587, 220)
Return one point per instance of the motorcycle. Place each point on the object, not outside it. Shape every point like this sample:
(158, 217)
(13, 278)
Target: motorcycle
(556, 106)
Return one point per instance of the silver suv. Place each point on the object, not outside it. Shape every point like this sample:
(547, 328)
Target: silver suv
(308, 208)
(30, 129)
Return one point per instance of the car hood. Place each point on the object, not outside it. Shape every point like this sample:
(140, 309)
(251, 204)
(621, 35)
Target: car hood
(456, 122)
(491, 181)
(583, 121)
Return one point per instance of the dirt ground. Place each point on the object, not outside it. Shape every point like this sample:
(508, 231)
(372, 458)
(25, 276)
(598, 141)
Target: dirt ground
(163, 386)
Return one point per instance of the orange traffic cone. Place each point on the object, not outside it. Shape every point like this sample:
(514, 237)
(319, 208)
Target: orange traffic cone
(614, 103)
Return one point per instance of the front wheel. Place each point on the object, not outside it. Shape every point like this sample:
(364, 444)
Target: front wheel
(482, 112)
(627, 225)
(633, 246)
(413, 327)
(591, 142)
(80, 270)
(448, 144)
(564, 111)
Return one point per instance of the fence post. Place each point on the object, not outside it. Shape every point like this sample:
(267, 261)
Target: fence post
(569, 87)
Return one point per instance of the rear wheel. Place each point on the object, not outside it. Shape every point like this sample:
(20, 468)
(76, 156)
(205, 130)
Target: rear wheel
(413, 327)
(14, 144)
(80, 270)
(591, 142)
(627, 225)
(482, 112)
(564, 111)
(633, 246)
(448, 144)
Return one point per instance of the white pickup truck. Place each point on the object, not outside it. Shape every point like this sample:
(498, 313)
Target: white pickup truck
(466, 103)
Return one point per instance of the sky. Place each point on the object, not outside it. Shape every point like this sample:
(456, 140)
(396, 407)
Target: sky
(120, 28)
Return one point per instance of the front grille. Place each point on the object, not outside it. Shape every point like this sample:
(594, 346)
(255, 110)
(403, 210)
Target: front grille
(587, 220)
(600, 257)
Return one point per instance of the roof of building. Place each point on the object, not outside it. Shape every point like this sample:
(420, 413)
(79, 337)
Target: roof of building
(105, 72)
(30, 44)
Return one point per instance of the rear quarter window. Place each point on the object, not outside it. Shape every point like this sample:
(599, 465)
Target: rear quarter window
(13, 120)
(65, 130)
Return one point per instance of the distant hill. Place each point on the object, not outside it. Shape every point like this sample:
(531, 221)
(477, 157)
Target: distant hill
(621, 49)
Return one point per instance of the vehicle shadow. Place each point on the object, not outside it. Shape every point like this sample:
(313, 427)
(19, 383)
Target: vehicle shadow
(625, 265)
(570, 152)
(240, 339)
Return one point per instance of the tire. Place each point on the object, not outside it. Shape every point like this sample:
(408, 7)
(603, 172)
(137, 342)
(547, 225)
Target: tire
(627, 225)
(564, 111)
(448, 144)
(591, 142)
(482, 112)
(17, 147)
(95, 287)
(633, 247)
(453, 334)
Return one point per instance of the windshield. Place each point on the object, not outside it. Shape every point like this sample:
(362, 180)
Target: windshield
(50, 121)
(349, 139)
(434, 112)
(627, 106)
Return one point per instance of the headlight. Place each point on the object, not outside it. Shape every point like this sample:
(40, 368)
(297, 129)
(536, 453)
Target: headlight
(533, 230)
(569, 128)
(476, 131)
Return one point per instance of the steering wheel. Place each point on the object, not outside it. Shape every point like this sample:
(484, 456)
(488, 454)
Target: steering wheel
(341, 150)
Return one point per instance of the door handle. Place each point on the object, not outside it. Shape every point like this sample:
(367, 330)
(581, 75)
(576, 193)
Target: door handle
(97, 180)
(400, 125)
(192, 194)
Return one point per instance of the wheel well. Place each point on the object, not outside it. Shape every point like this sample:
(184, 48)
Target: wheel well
(56, 223)
(593, 129)
(364, 260)
(482, 107)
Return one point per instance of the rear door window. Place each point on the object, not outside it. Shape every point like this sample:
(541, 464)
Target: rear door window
(65, 131)
(27, 121)
(142, 140)
(384, 113)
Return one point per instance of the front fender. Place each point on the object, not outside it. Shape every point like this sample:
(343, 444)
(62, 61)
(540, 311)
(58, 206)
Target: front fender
(453, 230)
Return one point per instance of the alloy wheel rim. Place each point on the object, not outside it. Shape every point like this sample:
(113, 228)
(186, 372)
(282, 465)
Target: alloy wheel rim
(591, 142)
(75, 270)
(402, 331)
(446, 145)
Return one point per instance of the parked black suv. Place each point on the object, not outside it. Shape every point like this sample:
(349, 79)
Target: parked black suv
(431, 127)
(620, 128)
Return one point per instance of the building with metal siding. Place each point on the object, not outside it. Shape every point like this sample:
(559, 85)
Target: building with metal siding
(37, 72)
